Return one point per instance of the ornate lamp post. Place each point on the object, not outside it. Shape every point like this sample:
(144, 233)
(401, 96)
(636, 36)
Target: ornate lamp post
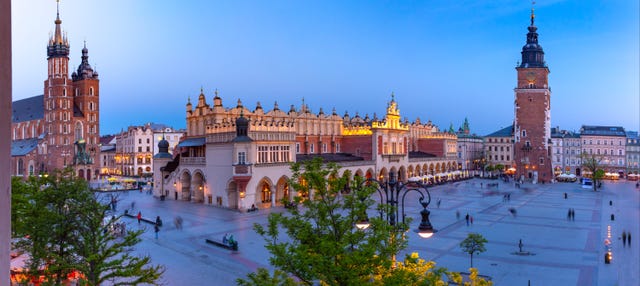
(392, 194)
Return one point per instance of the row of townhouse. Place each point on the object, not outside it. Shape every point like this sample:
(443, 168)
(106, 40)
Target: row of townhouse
(130, 152)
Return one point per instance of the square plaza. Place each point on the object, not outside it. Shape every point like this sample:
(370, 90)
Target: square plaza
(560, 251)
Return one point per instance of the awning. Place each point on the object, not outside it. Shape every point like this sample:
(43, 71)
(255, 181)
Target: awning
(192, 142)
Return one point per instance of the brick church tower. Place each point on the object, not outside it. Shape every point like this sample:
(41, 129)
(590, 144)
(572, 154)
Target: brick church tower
(71, 109)
(532, 123)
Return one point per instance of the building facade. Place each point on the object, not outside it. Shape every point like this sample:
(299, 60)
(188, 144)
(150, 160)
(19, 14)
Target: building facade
(565, 152)
(470, 149)
(532, 122)
(59, 128)
(608, 144)
(135, 148)
(633, 153)
(235, 158)
(498, 148)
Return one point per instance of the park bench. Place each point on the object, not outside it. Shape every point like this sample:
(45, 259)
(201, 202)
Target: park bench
(135, 216)
(230, 246)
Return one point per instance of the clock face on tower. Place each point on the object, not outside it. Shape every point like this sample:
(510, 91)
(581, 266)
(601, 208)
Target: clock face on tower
(531, 77)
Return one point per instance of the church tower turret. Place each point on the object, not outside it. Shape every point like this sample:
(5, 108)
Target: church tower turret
(532, 122)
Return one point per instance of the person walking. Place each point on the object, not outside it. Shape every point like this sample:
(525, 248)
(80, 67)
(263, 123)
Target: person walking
(158, 221)
(139, 217)
(520, 245)
(467, 218)
(156, 228)
(573, 214)
(457, 215)
(624, 238)
(438, 203)
(629, 239)
(569, 214)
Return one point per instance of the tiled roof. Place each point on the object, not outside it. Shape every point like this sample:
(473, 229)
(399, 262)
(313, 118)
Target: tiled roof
(602, 131)
(504, 132)
(31, 108)
(23, 147)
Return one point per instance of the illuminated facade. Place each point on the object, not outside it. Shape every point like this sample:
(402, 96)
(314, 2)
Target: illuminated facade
(565, 152)
(59, 128)
(135, 148)
(235, 157)
(607, 143)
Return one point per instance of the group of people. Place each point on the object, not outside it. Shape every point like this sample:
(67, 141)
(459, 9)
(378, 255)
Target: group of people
(571, 214)
(506, 197)
(228, 239)
(626, 238)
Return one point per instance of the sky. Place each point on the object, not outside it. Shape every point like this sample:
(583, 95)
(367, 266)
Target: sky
(444, 60)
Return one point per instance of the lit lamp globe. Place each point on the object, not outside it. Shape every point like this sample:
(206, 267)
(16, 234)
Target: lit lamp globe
(425, 229)
(363, 224)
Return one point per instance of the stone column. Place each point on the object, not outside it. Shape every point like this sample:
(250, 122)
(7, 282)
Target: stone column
(5, 139)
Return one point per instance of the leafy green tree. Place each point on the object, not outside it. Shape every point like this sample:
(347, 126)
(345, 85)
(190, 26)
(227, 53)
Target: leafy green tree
(499, 168)
(592, 163)
(60, 223)
(318, 242)
(474, 243)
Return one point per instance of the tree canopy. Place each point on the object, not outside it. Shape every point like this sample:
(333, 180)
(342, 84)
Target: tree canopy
(318, 243)
(60, 223)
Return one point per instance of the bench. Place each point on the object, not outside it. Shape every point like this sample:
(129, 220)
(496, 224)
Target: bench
(233, 246)
(150, 221)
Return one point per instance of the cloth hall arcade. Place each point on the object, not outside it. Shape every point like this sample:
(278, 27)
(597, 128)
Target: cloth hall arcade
(236, 158)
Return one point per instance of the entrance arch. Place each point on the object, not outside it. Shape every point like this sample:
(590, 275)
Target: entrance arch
(81, 173)
(282, 191)
(198, 187)
(263, 193)
(232, 195)
(185, 181)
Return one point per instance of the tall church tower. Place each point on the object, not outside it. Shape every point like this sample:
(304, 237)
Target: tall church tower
(58, 102)
(71, 109)
(532, 123)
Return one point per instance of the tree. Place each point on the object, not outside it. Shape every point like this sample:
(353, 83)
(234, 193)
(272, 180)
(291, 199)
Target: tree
(60, 223)
(317, 243)
(474, 243)
(592, 163)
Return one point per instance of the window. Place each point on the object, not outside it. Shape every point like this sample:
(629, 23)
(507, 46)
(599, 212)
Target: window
(524, 133)
(311, 149)
(324, 147)
(148, 149)
(139, 148)
(263, 154)
(541, 160)
(242, 158)
(297, 148)
(139, 140)
(91, 91)
(337, 148)
(147, 140)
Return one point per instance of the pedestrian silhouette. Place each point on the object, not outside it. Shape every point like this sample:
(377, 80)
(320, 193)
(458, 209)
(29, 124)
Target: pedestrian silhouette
(438, 203)
(624, 238)
(467, 218)
(513, 212)
(520, 245)
(457, 214)
(139, 217)
(569, 214)
(565, 195)
(156, 228)
(629, 239)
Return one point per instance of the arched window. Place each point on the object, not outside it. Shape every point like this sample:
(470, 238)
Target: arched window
(78, 131)
(64, 92)
(266, 193)
(91, 91)
(20, 168)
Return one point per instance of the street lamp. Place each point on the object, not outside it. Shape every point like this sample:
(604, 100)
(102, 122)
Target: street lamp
(390, 194)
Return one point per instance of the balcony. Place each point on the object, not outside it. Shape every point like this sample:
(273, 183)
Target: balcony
(242, 170)
(194, 161)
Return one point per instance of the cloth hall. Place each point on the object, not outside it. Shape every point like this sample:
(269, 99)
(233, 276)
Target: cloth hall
(234, 157)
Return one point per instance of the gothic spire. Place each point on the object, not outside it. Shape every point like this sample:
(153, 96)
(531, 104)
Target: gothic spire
(58, 45)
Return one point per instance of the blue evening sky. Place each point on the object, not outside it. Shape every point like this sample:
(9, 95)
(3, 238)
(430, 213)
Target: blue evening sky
(444, 60)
